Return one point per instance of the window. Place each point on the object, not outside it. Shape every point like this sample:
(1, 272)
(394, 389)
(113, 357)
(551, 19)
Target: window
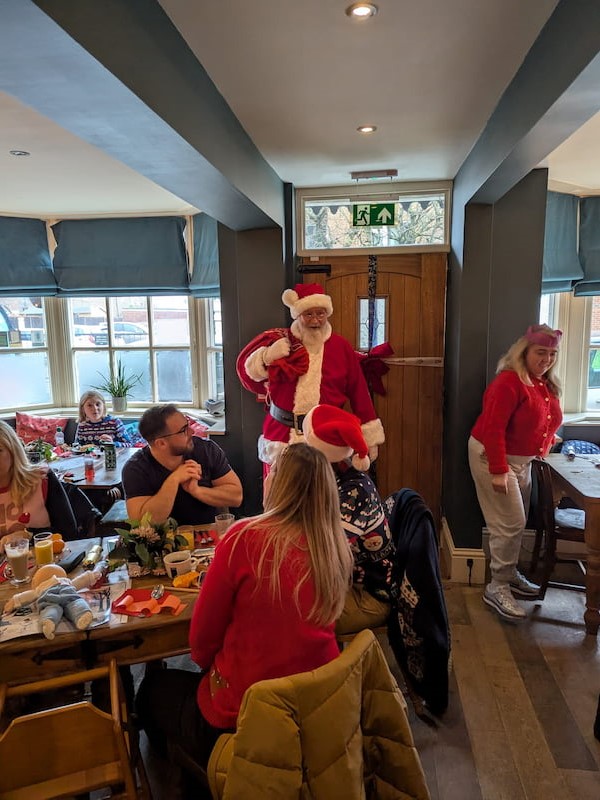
(378, 322)
(394, 217)
(68, 344)
(579, 360)
(215, 349)
(24, 360)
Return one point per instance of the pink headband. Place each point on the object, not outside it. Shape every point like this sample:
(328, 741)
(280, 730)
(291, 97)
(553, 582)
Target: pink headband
(538, 335)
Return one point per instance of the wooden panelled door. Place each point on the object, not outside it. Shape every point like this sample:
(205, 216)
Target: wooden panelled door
(414, 289)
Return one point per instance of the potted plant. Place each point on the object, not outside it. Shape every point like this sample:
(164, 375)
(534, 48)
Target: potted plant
(118, 386)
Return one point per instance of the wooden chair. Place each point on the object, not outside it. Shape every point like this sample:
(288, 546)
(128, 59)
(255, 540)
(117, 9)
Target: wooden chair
(71, 749)
(549, 531)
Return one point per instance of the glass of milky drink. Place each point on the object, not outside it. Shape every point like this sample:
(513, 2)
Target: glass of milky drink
(17, 552)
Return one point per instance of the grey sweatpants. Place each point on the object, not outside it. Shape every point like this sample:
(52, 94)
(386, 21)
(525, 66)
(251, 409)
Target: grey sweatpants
(505, 514)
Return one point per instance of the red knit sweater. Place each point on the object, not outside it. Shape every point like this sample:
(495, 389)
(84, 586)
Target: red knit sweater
(517, 420)
(239, 628)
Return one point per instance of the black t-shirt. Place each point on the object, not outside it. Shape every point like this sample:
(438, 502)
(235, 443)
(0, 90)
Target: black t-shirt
(143, 476)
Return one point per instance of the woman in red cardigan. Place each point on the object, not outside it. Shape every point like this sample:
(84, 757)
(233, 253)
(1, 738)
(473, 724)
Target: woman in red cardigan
(266, 609)
(520, 417)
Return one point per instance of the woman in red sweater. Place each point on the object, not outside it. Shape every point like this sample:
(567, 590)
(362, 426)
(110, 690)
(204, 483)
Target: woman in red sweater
(266, 609)
(520, 417)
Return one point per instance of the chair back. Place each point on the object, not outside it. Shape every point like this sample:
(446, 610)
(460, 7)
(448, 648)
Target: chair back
(545, 505)
(68, 750)
(338, 731)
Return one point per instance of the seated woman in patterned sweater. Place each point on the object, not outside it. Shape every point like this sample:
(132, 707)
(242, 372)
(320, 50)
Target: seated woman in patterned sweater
(338, 435)
(98, 427)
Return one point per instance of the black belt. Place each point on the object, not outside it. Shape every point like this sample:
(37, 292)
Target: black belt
(287, 417)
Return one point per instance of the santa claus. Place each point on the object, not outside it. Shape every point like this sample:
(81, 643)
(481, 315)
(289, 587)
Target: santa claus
(294, 369)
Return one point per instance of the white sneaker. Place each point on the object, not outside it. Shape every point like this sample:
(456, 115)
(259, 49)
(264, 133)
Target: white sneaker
(504, 604)
(521, 587)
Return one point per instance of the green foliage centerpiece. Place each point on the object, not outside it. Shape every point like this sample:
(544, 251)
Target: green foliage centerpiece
(142, 546)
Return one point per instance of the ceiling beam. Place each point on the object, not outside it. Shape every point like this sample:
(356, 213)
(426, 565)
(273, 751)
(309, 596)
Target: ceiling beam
(119, 76)
(556, 90)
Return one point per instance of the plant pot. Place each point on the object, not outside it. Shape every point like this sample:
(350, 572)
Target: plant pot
(119, 404)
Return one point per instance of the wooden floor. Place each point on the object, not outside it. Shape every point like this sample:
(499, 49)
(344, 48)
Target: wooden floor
(522, 706)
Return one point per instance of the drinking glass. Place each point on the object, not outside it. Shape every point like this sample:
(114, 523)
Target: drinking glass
(17, 552)
(42, 547)
(223, 522)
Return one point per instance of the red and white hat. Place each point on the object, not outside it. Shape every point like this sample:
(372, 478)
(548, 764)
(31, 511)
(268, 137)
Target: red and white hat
(337, 434)
(304, 296)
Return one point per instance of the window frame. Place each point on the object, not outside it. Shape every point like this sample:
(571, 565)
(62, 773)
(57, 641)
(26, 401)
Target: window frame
(379, 191)
(61, 363)
(573, 315)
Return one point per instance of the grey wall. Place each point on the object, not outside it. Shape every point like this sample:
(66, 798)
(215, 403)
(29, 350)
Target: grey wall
(252, 281)
(499, 279)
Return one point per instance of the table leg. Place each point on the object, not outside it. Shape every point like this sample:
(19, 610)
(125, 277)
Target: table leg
(592, 594)
(592, 581)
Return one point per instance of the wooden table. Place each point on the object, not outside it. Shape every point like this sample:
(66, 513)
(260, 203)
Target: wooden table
(103, 478)
(580, 480)
(139, 639)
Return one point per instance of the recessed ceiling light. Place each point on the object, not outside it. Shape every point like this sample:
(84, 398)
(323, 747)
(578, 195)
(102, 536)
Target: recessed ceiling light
(362, 10)
(19, 153)
(367, 128)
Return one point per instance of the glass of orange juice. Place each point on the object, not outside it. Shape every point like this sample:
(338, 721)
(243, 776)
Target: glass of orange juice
(42, 548)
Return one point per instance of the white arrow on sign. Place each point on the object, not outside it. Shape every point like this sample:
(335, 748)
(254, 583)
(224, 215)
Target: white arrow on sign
(384, 216)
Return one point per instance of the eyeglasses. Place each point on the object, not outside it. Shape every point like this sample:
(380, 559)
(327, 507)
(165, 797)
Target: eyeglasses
(176, 433)
(310, 314)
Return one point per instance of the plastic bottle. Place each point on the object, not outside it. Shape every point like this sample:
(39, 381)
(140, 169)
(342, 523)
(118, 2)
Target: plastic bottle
(59, 437)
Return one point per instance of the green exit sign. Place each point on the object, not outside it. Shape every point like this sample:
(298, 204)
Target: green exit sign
(367, 214)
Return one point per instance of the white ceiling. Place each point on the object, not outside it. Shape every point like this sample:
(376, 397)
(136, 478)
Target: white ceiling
(301, 77)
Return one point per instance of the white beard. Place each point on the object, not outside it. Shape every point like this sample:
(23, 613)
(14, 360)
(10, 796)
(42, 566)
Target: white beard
(312, 338)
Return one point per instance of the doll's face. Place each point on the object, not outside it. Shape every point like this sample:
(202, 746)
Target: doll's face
(94, 408)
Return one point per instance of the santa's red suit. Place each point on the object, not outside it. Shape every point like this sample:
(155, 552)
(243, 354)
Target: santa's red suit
(321, 367)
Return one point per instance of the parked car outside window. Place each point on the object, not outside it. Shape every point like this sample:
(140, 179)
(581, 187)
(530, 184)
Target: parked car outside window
(123, 332)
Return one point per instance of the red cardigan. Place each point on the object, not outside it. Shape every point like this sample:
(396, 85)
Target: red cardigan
(517, 420)
(247, 635)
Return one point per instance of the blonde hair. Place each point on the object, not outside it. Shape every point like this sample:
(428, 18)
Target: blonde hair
(25, 477)
(303, 504)
(514, 359)
(90, 395)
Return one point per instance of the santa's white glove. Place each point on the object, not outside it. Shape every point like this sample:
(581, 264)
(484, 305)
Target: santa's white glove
(279, 349)
(373, 453)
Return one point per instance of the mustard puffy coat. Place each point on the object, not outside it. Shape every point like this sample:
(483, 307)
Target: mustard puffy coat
(340, 731)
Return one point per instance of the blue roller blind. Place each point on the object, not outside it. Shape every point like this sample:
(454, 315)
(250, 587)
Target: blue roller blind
(25, 263)
(561, 264)
(120, 256)
(589, 247)
(205, 275)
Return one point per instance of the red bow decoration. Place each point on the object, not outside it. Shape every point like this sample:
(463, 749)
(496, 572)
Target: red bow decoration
(374, 367)
(25, 517)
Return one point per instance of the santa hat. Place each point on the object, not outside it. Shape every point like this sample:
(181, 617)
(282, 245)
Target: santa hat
(304, 296)
(337, 434)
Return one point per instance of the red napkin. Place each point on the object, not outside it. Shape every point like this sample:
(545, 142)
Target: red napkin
(140, 603)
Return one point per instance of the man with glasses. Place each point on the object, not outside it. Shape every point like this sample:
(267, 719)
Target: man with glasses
(177, 475)
(297, 368)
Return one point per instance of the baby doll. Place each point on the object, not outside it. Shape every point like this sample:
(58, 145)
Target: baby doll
(57, 595)
(96, 426)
